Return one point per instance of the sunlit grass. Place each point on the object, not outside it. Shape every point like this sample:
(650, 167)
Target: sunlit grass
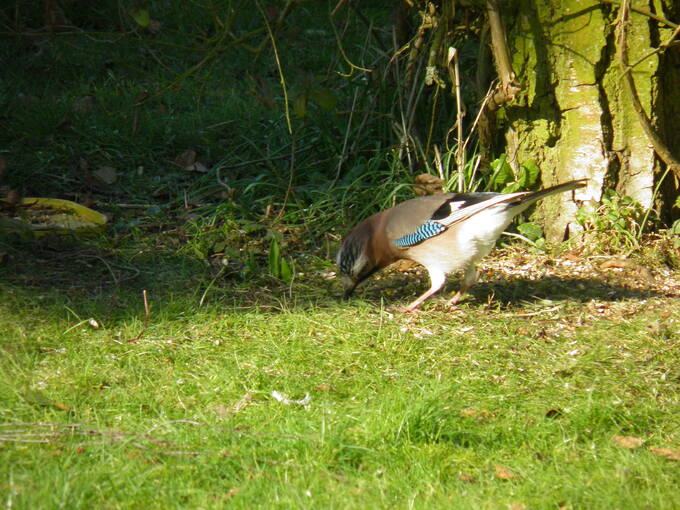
(488, 407)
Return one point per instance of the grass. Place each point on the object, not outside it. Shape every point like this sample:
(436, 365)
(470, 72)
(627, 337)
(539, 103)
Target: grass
(519, 399)
(510, 402)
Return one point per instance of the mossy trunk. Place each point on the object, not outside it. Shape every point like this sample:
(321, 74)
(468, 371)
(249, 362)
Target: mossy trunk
(574, 116)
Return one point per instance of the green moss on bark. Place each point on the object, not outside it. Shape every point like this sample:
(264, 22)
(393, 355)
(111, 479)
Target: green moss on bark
(572, 116)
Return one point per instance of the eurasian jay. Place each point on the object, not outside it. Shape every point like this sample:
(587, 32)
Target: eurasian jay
(444, 233)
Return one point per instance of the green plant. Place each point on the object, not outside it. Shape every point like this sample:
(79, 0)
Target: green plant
(279, 267)
(617, 222)
(504, 179)
(532, 234)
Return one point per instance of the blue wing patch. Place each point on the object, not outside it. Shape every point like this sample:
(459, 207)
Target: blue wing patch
(425, 231)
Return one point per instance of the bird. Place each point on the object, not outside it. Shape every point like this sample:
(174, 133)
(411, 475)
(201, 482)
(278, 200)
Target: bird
(445, 233)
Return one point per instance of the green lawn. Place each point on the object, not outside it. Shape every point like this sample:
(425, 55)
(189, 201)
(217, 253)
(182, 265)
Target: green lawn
(554, 385)
(516, 400)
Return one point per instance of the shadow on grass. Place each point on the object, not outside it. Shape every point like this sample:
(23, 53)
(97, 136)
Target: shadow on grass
(59, 271)
(511, 291)
(67, 270)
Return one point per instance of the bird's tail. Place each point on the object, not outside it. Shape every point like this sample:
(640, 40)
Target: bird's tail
(558, 188)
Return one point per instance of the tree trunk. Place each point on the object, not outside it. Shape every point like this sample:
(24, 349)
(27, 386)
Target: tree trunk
(574, 115)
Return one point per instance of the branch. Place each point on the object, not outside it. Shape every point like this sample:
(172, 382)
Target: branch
(659, 146)
(506, 90)
(643, 12)
(509, 87)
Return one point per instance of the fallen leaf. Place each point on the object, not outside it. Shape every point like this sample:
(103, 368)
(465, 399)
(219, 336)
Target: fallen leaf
(236, 407)
(504, 473)
(198, 167)
(84, 105)
(553, 413)
(186, 159)
(106, 174)
(640, 271)
(465, 477)
(518, 506)
(615, 264)
(667, 453)
(325, 387)
(628, 442)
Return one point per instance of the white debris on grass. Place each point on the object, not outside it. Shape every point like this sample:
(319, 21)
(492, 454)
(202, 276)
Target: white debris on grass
(283, 398)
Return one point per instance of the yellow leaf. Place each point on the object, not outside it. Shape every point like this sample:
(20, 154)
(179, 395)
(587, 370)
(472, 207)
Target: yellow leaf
(628, 442)
(667, 453)
(504, 473)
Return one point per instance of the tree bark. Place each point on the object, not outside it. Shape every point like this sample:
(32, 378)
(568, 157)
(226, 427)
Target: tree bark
(574, 116)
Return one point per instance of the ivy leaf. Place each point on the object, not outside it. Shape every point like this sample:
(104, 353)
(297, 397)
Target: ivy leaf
(300, 106)
(141, 17)
(502, 173)
(530, 230)
(675, 229)
(324, 97)
(529, 174)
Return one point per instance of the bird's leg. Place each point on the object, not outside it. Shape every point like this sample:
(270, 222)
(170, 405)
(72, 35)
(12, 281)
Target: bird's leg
(469, 280)
(437, 279)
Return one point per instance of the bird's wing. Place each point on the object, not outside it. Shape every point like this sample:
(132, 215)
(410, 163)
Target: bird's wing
(414, 221)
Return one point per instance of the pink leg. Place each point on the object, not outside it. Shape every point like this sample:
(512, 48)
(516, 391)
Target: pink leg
(437, 279)
(468, 281)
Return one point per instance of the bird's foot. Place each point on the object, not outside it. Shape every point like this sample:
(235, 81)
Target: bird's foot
(453, 302)
(409, 309)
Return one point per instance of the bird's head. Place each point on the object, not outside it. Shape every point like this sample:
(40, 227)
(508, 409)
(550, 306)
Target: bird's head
(354, 263)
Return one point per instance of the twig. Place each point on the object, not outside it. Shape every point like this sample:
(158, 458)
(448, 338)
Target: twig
(113, 275)
(146, 319)
(509, 87)
(341, 49)
(460, 146)
(343, 152)
(263, 160)
(282, 78)
(533, 314)
(291, 174)
(645, 12)
(171, 422)
(125, 206)
(212, 282)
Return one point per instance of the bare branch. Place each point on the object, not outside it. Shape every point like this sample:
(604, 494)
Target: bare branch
(643, 12)
(509, 87)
